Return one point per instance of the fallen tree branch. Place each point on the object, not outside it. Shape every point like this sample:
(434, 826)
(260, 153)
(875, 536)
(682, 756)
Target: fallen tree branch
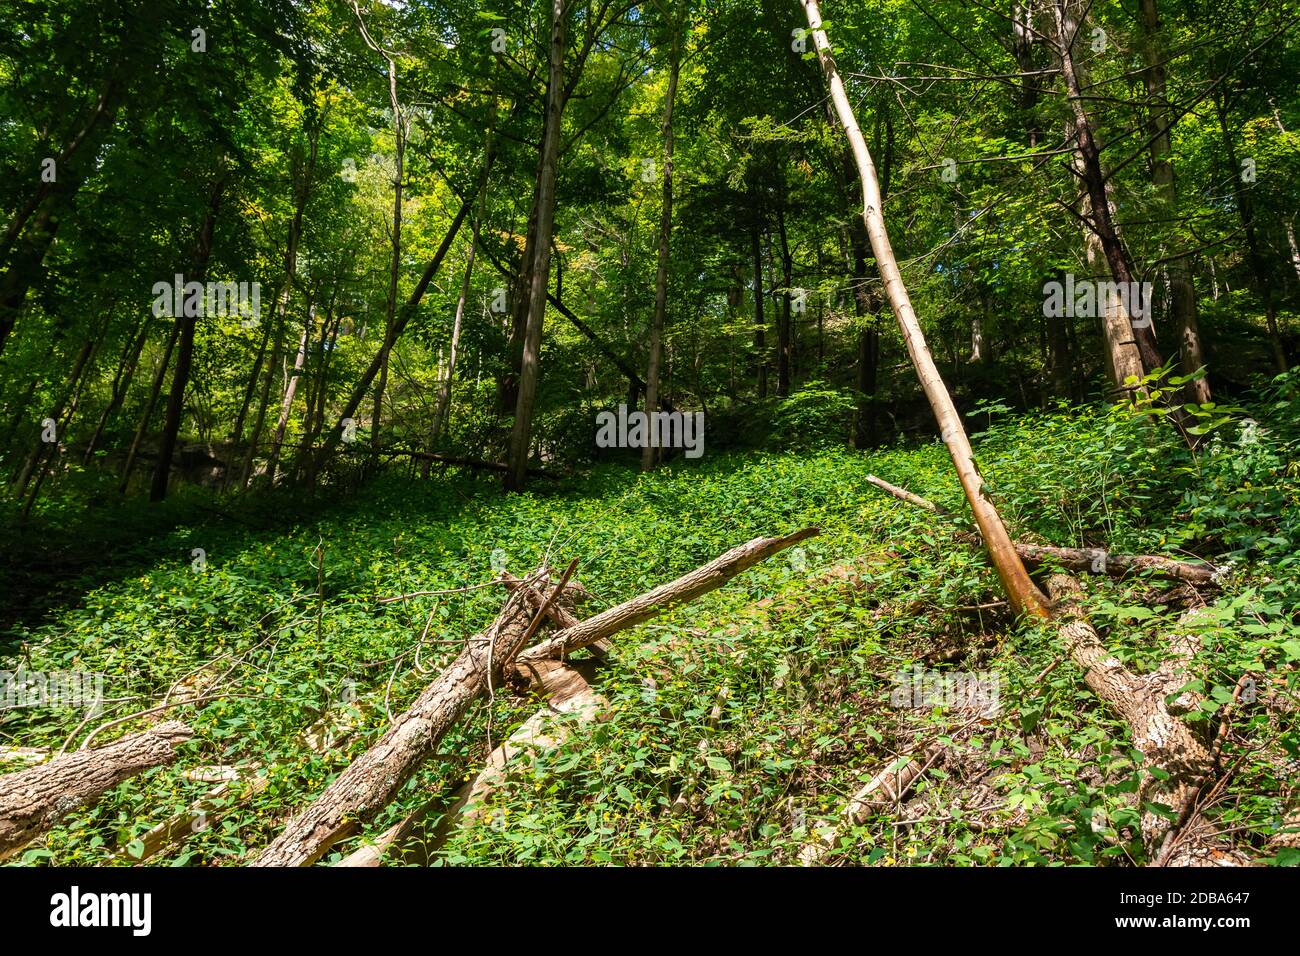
(885, 788)
(32, 800)
(374, 778)
(1098, 561)
(571, 704)
(1082, 560)
(210, 806)
(688, 587)
(1167, 743)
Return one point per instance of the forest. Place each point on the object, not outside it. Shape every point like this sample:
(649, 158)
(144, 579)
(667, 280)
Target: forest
(771, 433)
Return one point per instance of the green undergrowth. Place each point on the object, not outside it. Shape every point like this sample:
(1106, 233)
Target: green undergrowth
(799, 654)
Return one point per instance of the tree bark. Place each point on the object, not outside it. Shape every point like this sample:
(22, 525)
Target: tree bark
(1169, 746)
(286, 406)
(121, 385)
(186, 323)
(1024, 596)
(1102, 233)
(155, 390)
(710, 577)
(539, 277)
(1182, 300)
(443, 408)
(33, 800)
(372, 780)
(399, 325)
(651, 452)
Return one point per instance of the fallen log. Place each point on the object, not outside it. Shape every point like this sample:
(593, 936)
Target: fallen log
(688, 587)
(1168, 745)
(1081, 560)
(210, 806)
(885, 788)
(1098, 561)
(571, 704)
(32, 800)
(374, 778)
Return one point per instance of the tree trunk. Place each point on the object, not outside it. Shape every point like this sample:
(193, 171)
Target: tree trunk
(40, 447)
(1098, 213)
(688, 587)
(375, 777)
(286, 406)
(280, 320)
(186, 324)
(1182, 299)
(255, 376)
(1025, 598)
(121, 385)
(651, 450)
(408, 310)
(443, 408)
(530, 367)
(155, 390)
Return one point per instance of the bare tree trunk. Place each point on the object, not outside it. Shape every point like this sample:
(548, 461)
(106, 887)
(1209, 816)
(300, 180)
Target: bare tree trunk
(121, 385)
(186, 323)
(155, 390)
(651, 451)
(255, 376)
(264, 399)
(1191, 355)
(530, 368)
(1024, 596)
(362, 387)
(373, 778)
(1099, 214)
(40, 447)
(443, 409)
(286, 406)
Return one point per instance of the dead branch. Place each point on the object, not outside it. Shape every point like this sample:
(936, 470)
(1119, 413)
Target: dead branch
(688, 587)
(374, 778)
(33, 800)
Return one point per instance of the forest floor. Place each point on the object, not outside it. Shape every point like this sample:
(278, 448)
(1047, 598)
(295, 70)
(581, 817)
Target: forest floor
(738, 724)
